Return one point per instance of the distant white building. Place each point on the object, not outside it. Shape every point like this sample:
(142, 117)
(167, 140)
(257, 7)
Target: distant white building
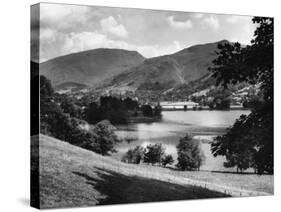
(178, 105)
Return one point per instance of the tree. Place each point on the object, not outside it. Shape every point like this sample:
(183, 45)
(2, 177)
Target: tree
(110, 108)
(46, 89)
(167, 160)
(131, 104)
(190, 155)
(157, 110)
(147, 110)
(154, 153)
(92, 113)
(106, 137)
(253, 101)
(252, 64)
(69, 107)
(238, 149)
(134, 155)
(55, 122)
(222, 103)
(220, 98)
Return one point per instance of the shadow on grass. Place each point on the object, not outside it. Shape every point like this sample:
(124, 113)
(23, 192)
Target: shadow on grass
(119, 188)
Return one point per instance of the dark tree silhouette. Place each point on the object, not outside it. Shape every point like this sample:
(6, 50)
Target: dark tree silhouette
(147, 110)
(56, 119)
(106, 138)
(167, 160)
(252, 64)
(154, 153)
(135, 155)
(46, 89)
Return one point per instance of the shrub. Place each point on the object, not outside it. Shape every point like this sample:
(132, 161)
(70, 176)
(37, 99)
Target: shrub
(157, 110)
(147, 110)
(190, 155)
(166, 160)
(154, 153)
(106, 137)
(69, 107)
(134, 155)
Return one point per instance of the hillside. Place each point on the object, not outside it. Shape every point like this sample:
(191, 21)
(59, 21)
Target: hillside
(152, 74)
(165, 72)
(116, 68)
(89, 67)
(71, 176)
(196, 59)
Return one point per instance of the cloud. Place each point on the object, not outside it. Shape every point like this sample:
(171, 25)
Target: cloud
(66, 29)
(67, 43)
(156, 50)
(180, 25)
(236, 19)
(197, 15)
(47, 35)
(63, 16)
(110, 25)
(211, 22)
(76, 42)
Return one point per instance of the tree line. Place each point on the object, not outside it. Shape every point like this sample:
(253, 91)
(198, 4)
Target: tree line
(118, 110)
(59, 118)
(64, 117)
(190, 154)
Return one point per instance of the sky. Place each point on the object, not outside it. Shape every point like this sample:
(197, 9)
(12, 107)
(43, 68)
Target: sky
(66, 29)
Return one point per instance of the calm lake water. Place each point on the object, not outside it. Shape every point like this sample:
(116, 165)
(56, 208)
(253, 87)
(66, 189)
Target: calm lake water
(204, 125)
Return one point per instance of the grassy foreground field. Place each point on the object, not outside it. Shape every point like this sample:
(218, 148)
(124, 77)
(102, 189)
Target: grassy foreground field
(71, 176)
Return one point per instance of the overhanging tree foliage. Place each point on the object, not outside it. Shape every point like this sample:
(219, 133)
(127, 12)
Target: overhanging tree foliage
(249, 142)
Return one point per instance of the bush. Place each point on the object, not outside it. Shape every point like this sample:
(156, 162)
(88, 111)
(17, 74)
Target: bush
(154, 153)
(157, 110)
(69, 107)
(190, 155)
(147, 110)
(134, 155)
(167, 160)
(106, 137)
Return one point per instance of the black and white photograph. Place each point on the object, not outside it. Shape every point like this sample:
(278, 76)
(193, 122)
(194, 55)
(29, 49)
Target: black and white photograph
(142, 105)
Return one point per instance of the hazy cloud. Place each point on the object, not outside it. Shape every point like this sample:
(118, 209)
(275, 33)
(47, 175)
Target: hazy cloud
(211, 22)
(181, 25)
(66, 29)
(197, 15)
(76, 42)
(236, 19)
(48, 35)
(63, 16)
(110, 25)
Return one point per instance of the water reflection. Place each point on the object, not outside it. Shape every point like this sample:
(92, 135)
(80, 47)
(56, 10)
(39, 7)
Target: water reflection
(204, 125)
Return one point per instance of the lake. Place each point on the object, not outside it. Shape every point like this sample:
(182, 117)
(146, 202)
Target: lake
(204, 125)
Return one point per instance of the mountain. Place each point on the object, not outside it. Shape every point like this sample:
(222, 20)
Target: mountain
(155, 73)
(165, 72)
(89, 67)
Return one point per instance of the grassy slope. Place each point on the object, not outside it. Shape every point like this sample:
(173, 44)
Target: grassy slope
(71, 176)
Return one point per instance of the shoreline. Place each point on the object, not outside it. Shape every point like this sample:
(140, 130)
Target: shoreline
(143, 119)
(191, 109)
